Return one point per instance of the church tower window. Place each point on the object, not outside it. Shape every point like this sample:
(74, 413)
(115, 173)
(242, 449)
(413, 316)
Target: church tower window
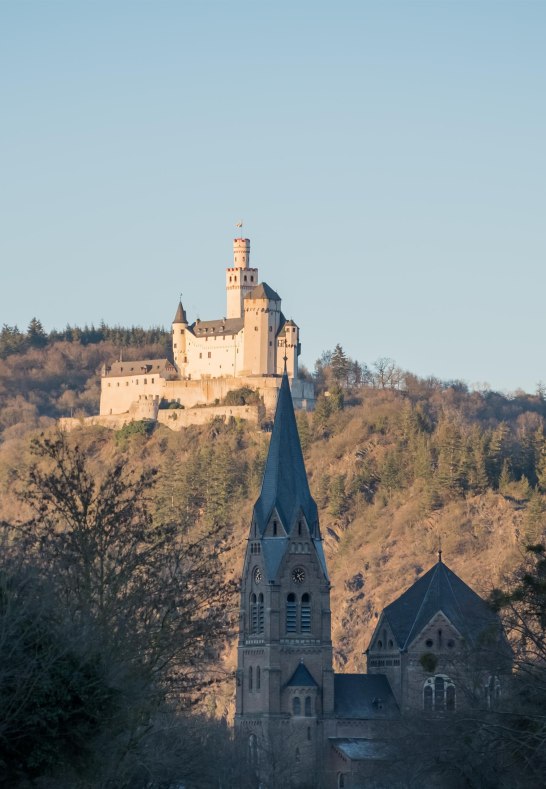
(296, 705)
(306, 613)
(260, 627)
(291, 613)
(258, 678)
(250, 678)
(253, 613)
(308, 706)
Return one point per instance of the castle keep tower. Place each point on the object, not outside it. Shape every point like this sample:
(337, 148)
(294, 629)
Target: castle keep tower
(240, 278)
(285, 680)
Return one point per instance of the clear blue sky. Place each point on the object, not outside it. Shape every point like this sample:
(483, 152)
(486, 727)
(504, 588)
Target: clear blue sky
(388, 159)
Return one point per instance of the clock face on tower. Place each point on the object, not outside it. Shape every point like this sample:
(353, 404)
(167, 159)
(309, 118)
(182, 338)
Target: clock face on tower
(298, 575)
(257, 575)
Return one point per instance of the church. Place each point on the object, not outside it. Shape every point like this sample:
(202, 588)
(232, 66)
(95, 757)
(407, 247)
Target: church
(248, 347)
(436, 649)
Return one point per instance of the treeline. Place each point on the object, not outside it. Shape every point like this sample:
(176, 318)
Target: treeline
(14, 341)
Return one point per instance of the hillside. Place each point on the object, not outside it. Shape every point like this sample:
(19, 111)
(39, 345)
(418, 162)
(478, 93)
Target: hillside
(393, 472)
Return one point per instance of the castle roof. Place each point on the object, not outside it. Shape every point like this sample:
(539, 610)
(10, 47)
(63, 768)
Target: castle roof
(301, 678)
(161, 367)
(440, 590)
(217, 327)
(360, 749)
(263, 291)
(284, 486)
(364, 696)
(180, 316)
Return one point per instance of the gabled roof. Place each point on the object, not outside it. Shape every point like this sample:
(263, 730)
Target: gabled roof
(180, 316)
(161, 367)
(363, 697)
(301, 678)
(218, 327)
(284, 484)
(440, 590)
(263, 291)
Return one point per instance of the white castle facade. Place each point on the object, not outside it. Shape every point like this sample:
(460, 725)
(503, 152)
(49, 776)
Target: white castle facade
(249, 347)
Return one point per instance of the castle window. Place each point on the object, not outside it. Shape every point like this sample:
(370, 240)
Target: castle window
(118, 383)
(305, 613)
(153, 380)
(308, 706)
(251, 278)
(260, 614)
(175, 345)
(145, 380)
(270, 343)
(250, 678)
(200, 355)
(245, 274)
(291, 613)
(296, 705)
(255, 328)
(258, 677)
(209, 351)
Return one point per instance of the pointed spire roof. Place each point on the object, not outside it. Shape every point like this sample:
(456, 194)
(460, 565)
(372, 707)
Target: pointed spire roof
(180, 316)
(284, 485)
(440, 590)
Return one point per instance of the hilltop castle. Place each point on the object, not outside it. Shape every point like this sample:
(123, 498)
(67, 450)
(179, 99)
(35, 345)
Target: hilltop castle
(249, 347)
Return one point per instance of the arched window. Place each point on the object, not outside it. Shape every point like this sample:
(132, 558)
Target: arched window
(427, 698)
(308, 706)
(250, 678)
(296, 705)
(253, 614)
(291, 613)
(492, 691)
(439, 694)
(253, 749)
(306, 613)
(260, 617)
(258, 677)
(297, 755)
(341, 781)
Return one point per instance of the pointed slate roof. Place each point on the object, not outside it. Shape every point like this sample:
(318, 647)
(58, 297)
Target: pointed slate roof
(284, 485)
(263, 291)
(180, 316)
(301, 678)
(440, 590)
(364, 697)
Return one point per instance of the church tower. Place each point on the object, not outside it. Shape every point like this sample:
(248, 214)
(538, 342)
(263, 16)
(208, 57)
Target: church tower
(284, 671)
(240, 278)
(179, 326)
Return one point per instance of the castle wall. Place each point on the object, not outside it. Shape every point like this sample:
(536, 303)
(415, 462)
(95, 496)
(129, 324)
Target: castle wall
(214, 356)
(118, 393)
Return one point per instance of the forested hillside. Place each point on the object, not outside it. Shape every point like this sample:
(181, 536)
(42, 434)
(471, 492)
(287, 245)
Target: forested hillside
(395, 463)
(146, 630)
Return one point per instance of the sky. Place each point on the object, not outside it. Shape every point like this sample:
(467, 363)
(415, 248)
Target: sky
(388, 160)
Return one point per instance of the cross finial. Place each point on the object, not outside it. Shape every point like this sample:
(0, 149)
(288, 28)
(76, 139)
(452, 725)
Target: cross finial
(180, 297)
(439, 548)
(285, 359)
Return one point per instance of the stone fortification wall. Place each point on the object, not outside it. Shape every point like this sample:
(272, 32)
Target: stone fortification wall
(174, 419)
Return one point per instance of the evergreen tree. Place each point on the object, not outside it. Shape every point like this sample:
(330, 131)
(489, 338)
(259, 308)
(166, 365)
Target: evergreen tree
(340, 365)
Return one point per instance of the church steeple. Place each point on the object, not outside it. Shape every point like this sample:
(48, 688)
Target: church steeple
(285, 488)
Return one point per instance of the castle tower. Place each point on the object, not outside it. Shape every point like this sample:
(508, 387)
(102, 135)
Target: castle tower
(179, 326)
(240, 278)
(284, 670)
(262, 316)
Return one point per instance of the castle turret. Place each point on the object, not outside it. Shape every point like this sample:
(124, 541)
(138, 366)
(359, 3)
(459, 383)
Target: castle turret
(240, 278)
(179, 326)
(262, 314)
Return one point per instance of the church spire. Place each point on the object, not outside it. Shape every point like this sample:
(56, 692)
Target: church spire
(284, 485)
